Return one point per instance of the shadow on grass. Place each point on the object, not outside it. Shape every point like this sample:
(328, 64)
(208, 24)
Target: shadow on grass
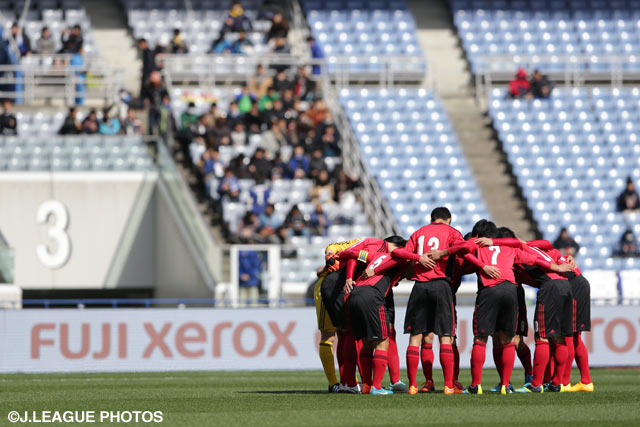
(284, 392)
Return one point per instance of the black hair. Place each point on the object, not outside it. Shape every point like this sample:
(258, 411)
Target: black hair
(467, 236)
(483, 228)
(440, 213)
(505, 232)
(396, 240)
(310, 39)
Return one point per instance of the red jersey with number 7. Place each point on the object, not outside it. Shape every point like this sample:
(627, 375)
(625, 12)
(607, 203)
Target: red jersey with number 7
(504, 258)
(432, 236)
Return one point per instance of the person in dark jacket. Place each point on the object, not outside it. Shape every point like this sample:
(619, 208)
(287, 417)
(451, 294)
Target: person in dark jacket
(71, 125)
(566, 244)
(279, 27)
(148, 62)
(628, 200)
(8, 122)
(153, 94)
(540, 85)
(249, 264)
(72, 40)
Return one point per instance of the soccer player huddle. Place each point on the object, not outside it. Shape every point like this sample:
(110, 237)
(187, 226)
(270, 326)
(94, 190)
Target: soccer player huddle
(354, 304)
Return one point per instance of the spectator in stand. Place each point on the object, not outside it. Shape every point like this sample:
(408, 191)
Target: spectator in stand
(212, 171)
(241, 45)
(238, 135)
(281, 47)
(279, 169)
(344, 186)
(240, 21)
(197, 147)
(249, 266)
(72, 39)
(329, 142)
(319, 222)
(148, 63)
(304, 85)
(152, 97)
(628, 246)
(628, 200)
(260, 82)
(317, 163)
(91, 125)
(46, 45)
(229, 188)
(260, 195)
(282, 82)
(248, 228)
(214, 111)
(283, 233)
(316, 53)
(519, 87)
(253, 120)
(541, 86)
(317, 113)
(268, 218)
(132, 124)
(189, 117)
(322, 190)
(273, 140)
(566, 244)
(71, 125)
(178, 44)
(110, 124)
(245, 100)
(266, 102)
(21, 39)
(279, 27)
(299, 163)
(296, 222)
(234, 115)
(8, 122)
(78, 64)
(259, 166)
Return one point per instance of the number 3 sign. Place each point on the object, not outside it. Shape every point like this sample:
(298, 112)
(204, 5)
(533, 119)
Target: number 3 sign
(56, 232)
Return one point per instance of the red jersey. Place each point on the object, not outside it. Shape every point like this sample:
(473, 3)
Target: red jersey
(382, 263)
(504, 258)
(558, 258)
(433, 236)
(360, 252)
(535, 276)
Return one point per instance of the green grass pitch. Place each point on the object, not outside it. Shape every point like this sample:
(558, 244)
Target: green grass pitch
(298, 398)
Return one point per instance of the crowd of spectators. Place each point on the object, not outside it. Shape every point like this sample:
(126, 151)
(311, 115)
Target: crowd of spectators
(110, 121)
(280, 128)
(71, 40)
(538, 86)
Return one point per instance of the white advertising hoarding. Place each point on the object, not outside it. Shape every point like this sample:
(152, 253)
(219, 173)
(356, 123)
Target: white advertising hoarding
(74, 340)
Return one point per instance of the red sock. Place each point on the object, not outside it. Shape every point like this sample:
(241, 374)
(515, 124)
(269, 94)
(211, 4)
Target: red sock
(550, 369)
(582, 359)
(413, 360)
(497, 359)
(477, 361)
(524, 354)
(339, 354)
(571, 352)
(456, 362)
(540, 360)
(393, 358)
(350, 356)
(380, 361)
(446, 361)
(508, 357)
(358, 350)
(560, 358)
(365, 356)
(426, 357)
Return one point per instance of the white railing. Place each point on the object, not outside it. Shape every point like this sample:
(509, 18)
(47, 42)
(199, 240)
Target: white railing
(209, 70)
(52, 77)
(566, 70)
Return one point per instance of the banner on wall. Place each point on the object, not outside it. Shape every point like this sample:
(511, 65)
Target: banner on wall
(73, 340)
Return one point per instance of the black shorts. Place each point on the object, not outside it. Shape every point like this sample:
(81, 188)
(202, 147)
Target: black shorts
(554, 315)
(430, 309)
(496, 310)
(367, 314)
(390, 308)
(523, 324)
(332, 291)
(581, 290)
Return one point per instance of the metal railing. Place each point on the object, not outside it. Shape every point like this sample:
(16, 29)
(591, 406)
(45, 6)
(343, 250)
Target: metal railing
(54, 77)
(375, 205)
(211, 70)
(565, 70)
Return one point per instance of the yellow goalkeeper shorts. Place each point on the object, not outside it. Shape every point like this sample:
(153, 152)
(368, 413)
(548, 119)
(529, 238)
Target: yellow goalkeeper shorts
(324, 321)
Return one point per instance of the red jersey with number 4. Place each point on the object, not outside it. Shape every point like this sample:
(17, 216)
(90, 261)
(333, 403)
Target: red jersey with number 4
(432, 236)
(504, 257)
